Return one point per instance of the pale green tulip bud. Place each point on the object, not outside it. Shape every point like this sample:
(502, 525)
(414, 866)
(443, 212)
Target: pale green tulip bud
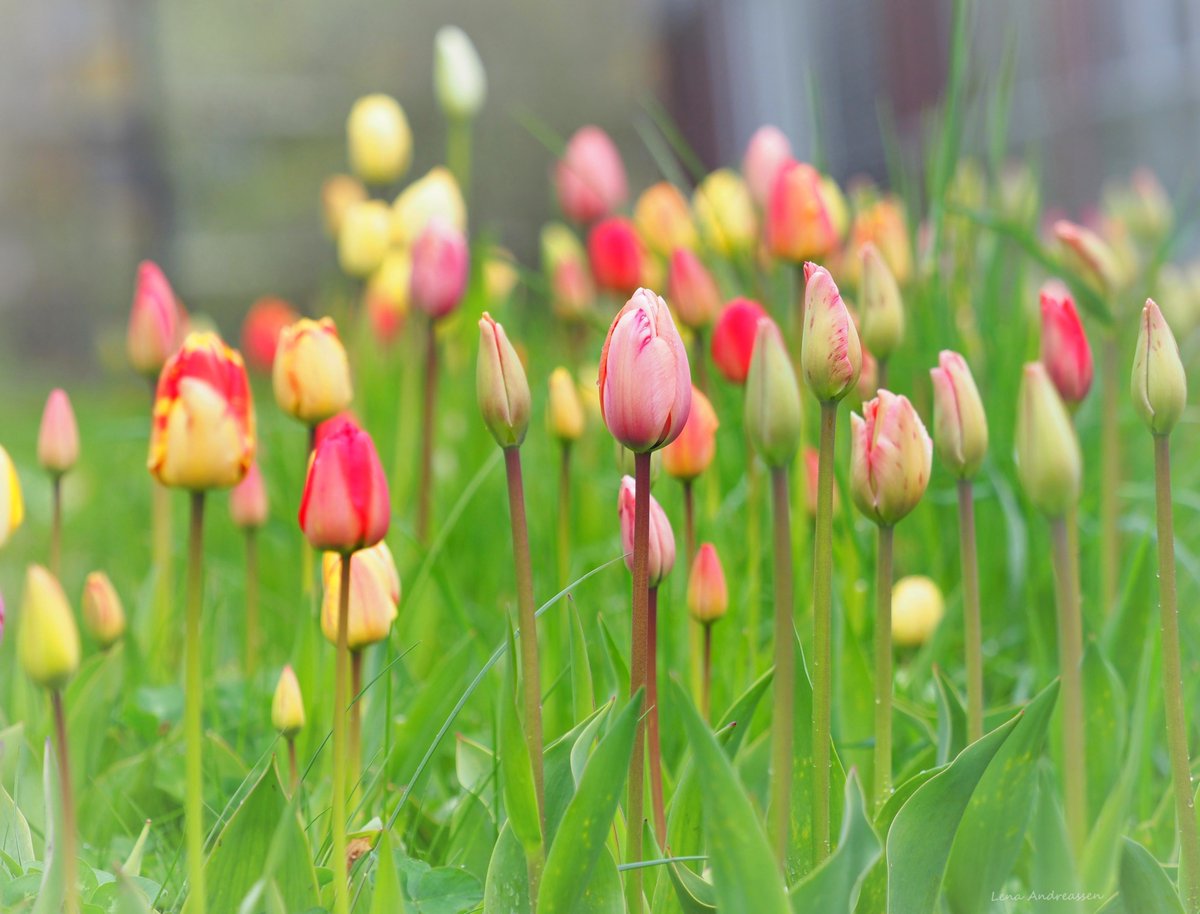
(772, 417)
(458, 75)
(882, 308)
(1159, 384)
(1049, 463)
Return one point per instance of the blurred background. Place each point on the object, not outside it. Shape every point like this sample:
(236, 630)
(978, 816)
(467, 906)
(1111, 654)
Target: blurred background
(198, 134)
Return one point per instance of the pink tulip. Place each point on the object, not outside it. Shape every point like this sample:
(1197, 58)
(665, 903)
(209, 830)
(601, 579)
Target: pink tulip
(707, 593)
(58, 437)
(1065, 350)
(156, 323)
(345, 506)
(440, 263)
(661, 555)
(248, 500)
(733, 338)
(645, 383)
(691, 290)
(959, 421)
(616, 255)
(590, 176)
(890, 458)
(830, 354)
(768, 151)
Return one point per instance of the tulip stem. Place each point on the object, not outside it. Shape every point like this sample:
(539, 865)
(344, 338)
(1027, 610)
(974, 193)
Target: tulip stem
(307, 585)
(783, 716)
(822, 624)
(252, 628)
(292, 767)
(564, 516)
(425, 494)
(341, 888)
(458, 152)
(883, 666)
(972, 626)
(695, 635)
(754, 552)
(1177, 735)
(706, 691)
(193, 735)
(881, 374)
(1070, 653)
(1110, 471)
(655, 747)
(67, 796)
(638, 676)
(160, 547)
(356, 665)
(56, 524)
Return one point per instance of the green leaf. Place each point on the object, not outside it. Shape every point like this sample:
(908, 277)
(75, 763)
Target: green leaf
(1105, 721)
(506, 889)
(15, 838)
(585, 824)
(745, 876)
(833, 888)
(583, 695)
(444, 890)
(1050, 862)
(133, 863)
(603, 894)
(951, 720)
(388, 898)
(1143, 884)
(516, 767)
(50, 896)
(565, 761)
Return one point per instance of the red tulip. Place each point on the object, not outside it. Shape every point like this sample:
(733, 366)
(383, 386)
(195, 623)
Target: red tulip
(440, 265)
(590, 177)
(345, 506)
(261, 328)
(733, 338)
(691, 290)
(661, 554)
(156, 323)
(1065, 350)
(616, 255)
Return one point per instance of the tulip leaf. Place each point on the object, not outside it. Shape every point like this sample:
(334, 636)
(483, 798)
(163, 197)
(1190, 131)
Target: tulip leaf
(16, 841)
(833, 888)
(506, 889)
(1105, 720)
(516, 766)
(562, 758)
(50, 896)
(1143, 886)
(1050, 862)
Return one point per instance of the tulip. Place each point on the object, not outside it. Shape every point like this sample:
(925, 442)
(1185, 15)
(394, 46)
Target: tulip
(691, 290)
(387, 295)
(311, 374)
(883, 225)
(500, 276)
(458, 76)
(501, 386)
(374, 596)
(435, 196)
(617, 258)
(690, 454)
(260, 331)
(1065, 350)
(156, 323)
(835, 204)
(959, 422)
(890, 458)
(868, 377)
(590, 177)
(1143, 204)
(12, 506)
(724, 213)
(345, 504)
(379, 140)
(707, 600)
(565, 415)
(440, 263)
(1091, 255)
(664, 219)
(799, 226)
(768, 151)
(287, 715)
(103, 615)
(830, 354)
(338, 194)
(58, 436)
(882, 307)
(363, 238)
(733, 338)
(567, 269)
(1158, 384)
(1049, 463)
(773, 414)
(917, 609)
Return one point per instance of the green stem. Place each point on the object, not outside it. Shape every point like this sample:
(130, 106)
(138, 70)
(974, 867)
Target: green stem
(1070, 654)
(252, 627)
(292, 767)
(341, 887)
(355, 740)
(783, 717)
(564, 516)
(424, 494)
(56, 524)
(193, 783)
(695, 635)
(972, 625)
(754, 553)
(1176, 713)
(638, 677)
(881, 374)
(1110, 471)
(698, 363)
(822, 625)
(160, 522)
(69, 837)
(654, 746)
(307, 558)
(458, 152)
(883, 666)
(706, 691)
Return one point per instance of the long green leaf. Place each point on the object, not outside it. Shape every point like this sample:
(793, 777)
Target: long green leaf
(833, 888)
(516, 766)
(1143, 884)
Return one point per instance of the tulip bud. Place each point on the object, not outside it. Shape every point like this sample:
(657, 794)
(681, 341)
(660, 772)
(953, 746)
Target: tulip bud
(500, 275)
(1065, 350)
(890, 458)
(1159, 384)
(690, 454)
(103, 615)
(12, 506)
(387, 296)
(155, 323)
(707, 595)
(661, 555)
(664, 219)
(617, 259)
(47, 640)
(799, 226)
(645, 383)
(1048, 460)
(436, 195)
(917, 609)
(379, 141)
(590, 177)
(691, 290)
(768, 151)
(345, 505)
(374, 596)
(883, 225)
(882, 307)
(1091, 255)
(458, 76)
(565, 415)
(733, 338)
(868, 377)
(248, 500)
(338, 194)
(772, 416)
(363, 239)
(260, 331)
(501, 386)
(831, 354)
(311, 374)
(58, 437)
(287, 707)
(836, 206)
(203, 432)
(725, 213)
(440, 267)
(959, 422)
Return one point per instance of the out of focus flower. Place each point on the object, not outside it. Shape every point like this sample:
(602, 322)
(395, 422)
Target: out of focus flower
(261, 328)
(58, 436)
(1159, 383)
(345, 505)
(733, 338)
(338, 194)
(12, 506)
(458, 76)
(890, 458)
(103, 615)
(434, 196)
(707, 595)
(1091, 256)
(917, 609)
(565, 415)
(690, 454)
(959, 422)
(500, 275)
(799, 226)
(768, 151)
(311, 375)
(565, 264)
(691, 290)
(501, 386)
(1018, 198)
(882, 223)
(664, 219)
(374, 596)
(590, 177)
(1179, 297)
(1065, 350)
(1049, 464)
(882, 307)
(725, 213)
(868, 376)
(47, 639)
(440, 268)
(773, 418)
(616, 255)
(287, 705)
(156, 322)
(1142, 204)
(831, 354)
(661, 554)
(378, 138)
(364, 238)
(248, 500)
(387, 294)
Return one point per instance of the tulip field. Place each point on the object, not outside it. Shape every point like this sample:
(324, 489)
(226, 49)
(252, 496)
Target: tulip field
(767, 543)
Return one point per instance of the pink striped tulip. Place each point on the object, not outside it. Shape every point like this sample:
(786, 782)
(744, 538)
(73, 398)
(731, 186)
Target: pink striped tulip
(890, 458)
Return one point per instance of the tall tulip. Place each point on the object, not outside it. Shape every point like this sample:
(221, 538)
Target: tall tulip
(590, 177)
(694, 295)
(12, 506)
(156, 322)
(58, 449)
(378, 139)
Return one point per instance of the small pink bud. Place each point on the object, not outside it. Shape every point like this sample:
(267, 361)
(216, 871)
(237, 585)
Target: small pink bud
(248, 500)
(768, 151)
(345, 505)
(501, 386)
(691, 290)
(156, 323)
(616, 255)
(707, 595)
(1065, 350)
(799, 223)
(440, 265)
(890, 458)
(733, 338)
(831, 354)
(662, 540)
(959, 422)
(590, 177)
(58, 437)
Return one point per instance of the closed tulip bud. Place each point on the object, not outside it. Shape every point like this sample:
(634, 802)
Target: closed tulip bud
(1065, 350)
(644, 380)
(664, 219)
(831, 354)
(882, 307)
(440, 267)
(691, 289)
(501, 386)
(799, 226)
(47, 640)
(458, 76)
(890, 458)
(287, 705)
(387, 295)
(616, 256)
(379, 141)
(1092, 256)
(768, 151)
(364, 238)
(58, 436)
(156, 323)
(203, 433)
(565, 415)
(725, 213)
(311, 374)
(345, 505)
(707, 595)
(435, 196)
(248, 500)
(374, 596)
(590, 177)
(1159, 384)
(338, 194)
(12, 506)
(1049, 464)
(959, 423)
(868, 377)
(690, 454)
(883, 224)
(917, 609)
(733, 338)
(773, 415)
(103, 615)
(1150, 215)
(260, 331)
(661, 555)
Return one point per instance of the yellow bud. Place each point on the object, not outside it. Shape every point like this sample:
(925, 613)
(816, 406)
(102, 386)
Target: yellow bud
(103, 615)
(379, 139)
(338, 194)
(725, 212)
(287, 707)
(1049, 463)
(882, 307)
(565, 417)
(364, 237)
(917, 608)
(374, 595)
(48, 641)
(12, 507)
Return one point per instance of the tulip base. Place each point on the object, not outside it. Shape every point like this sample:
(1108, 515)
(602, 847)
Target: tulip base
(972, 625)
(67, 840)
(783, 716)
(822, 626)
(883, 666)
(638, 670)
(1070, 656)
(193, 699)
